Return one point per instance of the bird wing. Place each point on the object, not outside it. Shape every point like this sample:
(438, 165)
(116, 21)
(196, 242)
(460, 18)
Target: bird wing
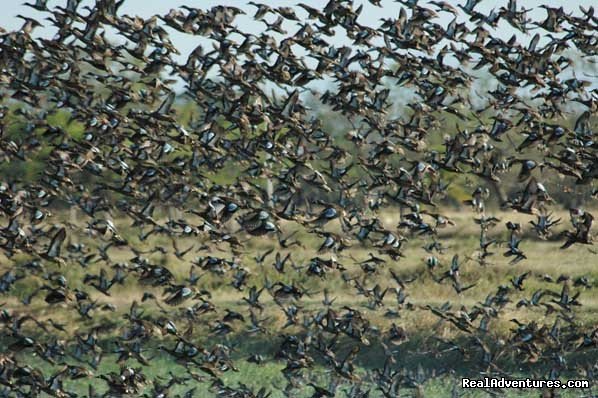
(57, 240)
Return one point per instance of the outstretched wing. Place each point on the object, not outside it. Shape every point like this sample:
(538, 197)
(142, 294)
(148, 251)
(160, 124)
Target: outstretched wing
(165, 106)
(57, 240)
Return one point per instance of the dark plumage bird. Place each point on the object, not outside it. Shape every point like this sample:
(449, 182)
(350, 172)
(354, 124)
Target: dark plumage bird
(513, 243)
(543, 225)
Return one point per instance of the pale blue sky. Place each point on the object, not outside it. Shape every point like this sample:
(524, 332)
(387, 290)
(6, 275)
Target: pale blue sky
(370, 16)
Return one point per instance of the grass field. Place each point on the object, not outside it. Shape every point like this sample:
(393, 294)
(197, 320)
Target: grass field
(424, 359)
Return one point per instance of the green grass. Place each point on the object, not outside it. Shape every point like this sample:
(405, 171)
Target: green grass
(420, 355)
(269, 375)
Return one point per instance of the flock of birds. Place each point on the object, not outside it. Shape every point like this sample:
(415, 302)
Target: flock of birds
(256, 167)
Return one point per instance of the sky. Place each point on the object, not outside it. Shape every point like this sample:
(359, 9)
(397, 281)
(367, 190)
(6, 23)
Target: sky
(370, 16)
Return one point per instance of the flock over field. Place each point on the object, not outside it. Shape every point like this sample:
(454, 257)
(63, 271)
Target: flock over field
(316, 208)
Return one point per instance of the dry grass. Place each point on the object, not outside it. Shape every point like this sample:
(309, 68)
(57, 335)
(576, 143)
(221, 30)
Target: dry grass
(544, 258)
